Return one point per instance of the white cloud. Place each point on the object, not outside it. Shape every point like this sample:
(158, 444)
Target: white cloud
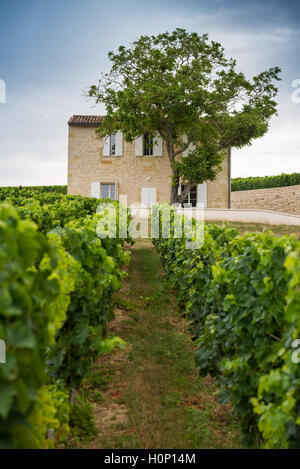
(33, 122)
(278, 151)
(27, 170)
(258, 45)
(33, 147)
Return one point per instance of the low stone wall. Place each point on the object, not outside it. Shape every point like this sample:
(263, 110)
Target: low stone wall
(279, 199)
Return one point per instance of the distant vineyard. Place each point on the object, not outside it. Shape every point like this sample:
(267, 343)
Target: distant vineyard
(14, 189)
(250, 183)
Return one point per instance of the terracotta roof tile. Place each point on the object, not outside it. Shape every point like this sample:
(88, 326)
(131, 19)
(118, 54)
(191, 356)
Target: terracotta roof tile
(92, 121)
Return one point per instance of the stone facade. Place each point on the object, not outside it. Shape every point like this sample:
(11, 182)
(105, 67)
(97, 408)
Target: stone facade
(279, 199)
(87, 165)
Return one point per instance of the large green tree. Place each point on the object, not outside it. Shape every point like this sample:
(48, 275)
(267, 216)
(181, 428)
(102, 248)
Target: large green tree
(181, 84)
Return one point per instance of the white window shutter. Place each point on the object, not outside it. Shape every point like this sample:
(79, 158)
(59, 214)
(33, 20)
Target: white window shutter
(106, 145)
(191, 146)
(139, 146)
(202, 194)
(119, 143)
(95, 189)
(157, 147)
(184, 139)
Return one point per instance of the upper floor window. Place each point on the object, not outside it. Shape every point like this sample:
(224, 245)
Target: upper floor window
(112, 144)
(148, 144)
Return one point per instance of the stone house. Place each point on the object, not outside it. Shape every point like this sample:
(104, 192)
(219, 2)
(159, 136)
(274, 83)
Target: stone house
(111, 167)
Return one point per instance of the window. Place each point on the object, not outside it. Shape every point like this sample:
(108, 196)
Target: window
(191, 199)
(108, 191)
(112, 144)
(148, 144)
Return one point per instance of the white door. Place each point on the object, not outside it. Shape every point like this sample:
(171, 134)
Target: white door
(148, 197)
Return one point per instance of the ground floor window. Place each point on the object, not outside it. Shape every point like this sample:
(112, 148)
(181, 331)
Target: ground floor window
(191, 199)
(108, 191)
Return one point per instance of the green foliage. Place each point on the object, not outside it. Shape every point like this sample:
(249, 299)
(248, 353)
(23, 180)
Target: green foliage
(7, 191)
(202, 164)
(241, 294)
(82, 419)
(30, 269)
(278, 402)
(283, 180)
(49, 210)
(55, 299)
(180, 83)
(80, 339)
(52, 412)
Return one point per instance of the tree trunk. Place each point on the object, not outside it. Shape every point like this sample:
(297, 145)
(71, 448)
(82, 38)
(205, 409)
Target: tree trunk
(184, 193)
(175, 198)
(174, 194)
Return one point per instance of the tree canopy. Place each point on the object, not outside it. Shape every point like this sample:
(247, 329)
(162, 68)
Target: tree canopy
(181, 84)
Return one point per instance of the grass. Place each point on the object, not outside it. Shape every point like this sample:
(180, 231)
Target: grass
(277, 229)
(151, 395)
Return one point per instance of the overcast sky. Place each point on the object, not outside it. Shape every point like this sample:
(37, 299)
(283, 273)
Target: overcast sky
(50, 50)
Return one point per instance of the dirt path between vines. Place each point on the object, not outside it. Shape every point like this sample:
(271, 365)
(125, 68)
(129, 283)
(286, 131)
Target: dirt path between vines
(151, 395)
